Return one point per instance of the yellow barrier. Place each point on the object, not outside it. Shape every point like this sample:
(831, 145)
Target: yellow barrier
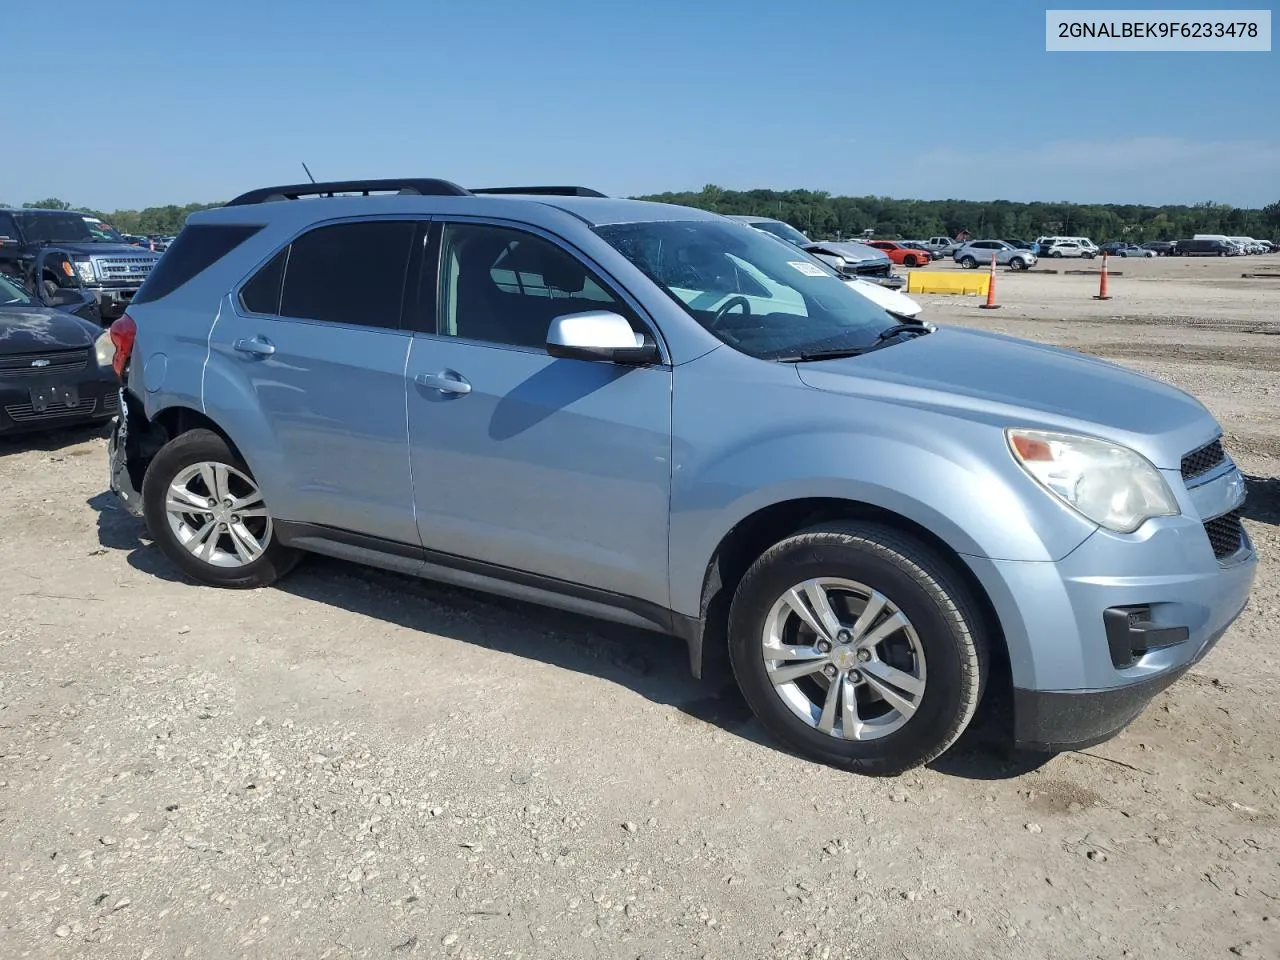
(971, 281)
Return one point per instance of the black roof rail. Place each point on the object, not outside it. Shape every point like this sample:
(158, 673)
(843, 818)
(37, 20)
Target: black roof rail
(293, 191)
(544, 191)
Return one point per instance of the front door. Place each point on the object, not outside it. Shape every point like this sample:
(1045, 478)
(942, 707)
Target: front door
(556, 467)
(307, 363)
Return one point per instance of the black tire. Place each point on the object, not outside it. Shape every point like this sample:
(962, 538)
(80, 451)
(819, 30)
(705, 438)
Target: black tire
(968, 263)
(1018, 263)
(951, 633)
(1056, 253)
(909, 261)
(192, 447)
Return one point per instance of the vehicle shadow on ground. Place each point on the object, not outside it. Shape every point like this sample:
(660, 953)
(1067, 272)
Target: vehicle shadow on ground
(50, 441)
(653, 665)
(1263, 500)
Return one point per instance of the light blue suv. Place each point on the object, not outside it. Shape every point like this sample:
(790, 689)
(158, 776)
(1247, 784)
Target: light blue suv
(658, 416)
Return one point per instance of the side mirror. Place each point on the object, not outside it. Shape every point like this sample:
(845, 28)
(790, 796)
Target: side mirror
(67, 296)
(599, 335)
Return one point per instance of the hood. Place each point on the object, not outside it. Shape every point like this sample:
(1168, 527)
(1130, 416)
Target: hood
(853, 252)
(899, 303)
(36, 330)
(104, 249)
(1009, 382)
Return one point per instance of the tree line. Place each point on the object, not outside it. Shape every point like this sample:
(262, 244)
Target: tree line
(823, 216)
(158, 221)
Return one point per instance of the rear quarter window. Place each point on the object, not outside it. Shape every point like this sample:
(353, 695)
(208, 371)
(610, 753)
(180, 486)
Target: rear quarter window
(196, 249)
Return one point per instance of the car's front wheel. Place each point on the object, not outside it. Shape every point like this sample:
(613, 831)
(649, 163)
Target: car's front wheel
(856, 646)
(205, 511)
(1019, 263)
(909, 261)
(969, 263)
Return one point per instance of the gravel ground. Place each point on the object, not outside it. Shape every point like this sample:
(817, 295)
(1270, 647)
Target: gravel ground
(358, 765)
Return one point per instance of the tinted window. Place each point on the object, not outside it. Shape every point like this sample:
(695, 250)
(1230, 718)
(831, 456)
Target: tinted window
(506, 286)
(349, 273)
(196, 249)
(8, 228)
(262, 293)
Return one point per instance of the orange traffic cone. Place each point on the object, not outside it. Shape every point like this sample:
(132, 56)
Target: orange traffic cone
(1102, 283)
(991, 288)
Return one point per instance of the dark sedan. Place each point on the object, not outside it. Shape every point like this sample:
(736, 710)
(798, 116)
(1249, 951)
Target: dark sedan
(55, 368)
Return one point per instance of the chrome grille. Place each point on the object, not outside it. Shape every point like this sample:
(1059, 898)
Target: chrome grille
(43, 364)
(124, 268)
(1224, 533)
(1203, 459)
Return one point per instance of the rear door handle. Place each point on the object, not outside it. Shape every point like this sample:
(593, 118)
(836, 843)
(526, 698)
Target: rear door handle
(255, 346)
(446, 381)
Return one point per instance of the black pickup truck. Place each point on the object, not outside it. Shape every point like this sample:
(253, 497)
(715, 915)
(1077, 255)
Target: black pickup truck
(52, 251)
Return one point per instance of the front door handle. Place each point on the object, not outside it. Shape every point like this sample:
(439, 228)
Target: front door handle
(255, 346)
(446, 381)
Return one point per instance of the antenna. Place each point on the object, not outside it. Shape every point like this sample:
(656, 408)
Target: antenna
(304, 167)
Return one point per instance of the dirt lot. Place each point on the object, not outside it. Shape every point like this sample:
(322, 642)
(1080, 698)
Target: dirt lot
(359, 765)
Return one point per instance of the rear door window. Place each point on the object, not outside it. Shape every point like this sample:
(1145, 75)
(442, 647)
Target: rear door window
(349, 273)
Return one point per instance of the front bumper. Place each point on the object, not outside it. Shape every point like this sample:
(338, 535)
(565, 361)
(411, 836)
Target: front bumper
(113, 301)
(1074, 684)
(97, 402)
(1054, 721)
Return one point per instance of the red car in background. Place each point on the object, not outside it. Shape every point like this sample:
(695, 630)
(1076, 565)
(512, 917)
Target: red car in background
(902, 255)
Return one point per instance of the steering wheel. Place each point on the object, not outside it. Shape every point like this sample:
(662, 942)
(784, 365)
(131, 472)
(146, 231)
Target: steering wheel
(729, 305)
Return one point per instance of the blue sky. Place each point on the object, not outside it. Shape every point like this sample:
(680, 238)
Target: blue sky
(183, 101)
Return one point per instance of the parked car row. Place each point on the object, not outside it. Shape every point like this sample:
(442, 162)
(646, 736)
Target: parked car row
(60, 255)
(151, 241)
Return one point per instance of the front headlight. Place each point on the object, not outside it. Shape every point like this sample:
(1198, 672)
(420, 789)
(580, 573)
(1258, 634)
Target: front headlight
(104, 349)
(1113, 486)
(85, 269)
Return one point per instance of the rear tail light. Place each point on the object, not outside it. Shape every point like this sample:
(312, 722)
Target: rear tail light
(123, 332)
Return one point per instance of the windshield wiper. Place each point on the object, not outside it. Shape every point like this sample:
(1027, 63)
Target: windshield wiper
(882, 339)
(900, 328)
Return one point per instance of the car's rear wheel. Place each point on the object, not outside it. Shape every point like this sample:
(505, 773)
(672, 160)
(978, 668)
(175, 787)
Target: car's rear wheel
(206, 512)
(968, 263)
(856, 646)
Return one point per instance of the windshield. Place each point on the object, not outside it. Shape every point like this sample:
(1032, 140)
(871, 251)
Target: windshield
(783, 230)
(67, 228)
(12, 295)
(754, 292)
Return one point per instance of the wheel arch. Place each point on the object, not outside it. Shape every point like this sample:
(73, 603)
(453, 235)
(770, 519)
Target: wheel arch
(748, 539)
(147, 434)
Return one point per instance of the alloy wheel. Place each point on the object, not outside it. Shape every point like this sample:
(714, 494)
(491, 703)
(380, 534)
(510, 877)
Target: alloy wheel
(844, 658)
(217, 513)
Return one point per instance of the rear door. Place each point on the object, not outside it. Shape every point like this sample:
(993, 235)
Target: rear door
(555, 467)
(314, 351)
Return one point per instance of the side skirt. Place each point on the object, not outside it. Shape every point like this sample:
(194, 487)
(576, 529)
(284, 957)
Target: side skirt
(487, 577)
